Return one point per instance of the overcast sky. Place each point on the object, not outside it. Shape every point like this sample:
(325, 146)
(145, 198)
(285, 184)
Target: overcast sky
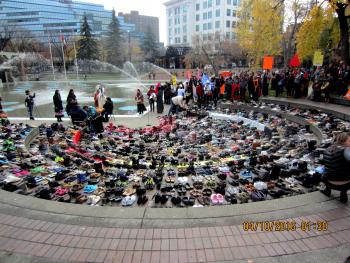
(145, 7)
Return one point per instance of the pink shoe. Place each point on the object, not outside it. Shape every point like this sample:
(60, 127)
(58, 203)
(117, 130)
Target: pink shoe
(220, 199)
(214, 199)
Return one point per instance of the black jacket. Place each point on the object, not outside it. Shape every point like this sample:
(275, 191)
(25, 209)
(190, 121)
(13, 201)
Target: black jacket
(108, 107)
(57, 101)
(337, 168)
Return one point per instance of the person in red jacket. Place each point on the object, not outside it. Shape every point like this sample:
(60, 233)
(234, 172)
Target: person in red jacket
(235, 89)
(200, 93)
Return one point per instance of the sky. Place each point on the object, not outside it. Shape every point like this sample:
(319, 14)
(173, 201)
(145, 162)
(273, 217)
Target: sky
(145, 7)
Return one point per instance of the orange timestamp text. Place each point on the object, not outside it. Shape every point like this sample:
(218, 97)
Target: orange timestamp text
(271, 226)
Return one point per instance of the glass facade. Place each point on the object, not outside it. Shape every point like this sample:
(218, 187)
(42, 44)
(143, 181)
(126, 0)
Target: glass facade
(43, 18)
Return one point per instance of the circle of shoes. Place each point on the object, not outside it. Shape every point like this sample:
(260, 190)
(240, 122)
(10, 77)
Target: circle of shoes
(190, 160)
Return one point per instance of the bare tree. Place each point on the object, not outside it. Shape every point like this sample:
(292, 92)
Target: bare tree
(214, 49)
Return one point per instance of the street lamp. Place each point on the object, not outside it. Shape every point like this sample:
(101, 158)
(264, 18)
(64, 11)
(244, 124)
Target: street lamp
(129, 45)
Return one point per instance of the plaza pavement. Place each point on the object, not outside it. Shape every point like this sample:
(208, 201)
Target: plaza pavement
(35, 230)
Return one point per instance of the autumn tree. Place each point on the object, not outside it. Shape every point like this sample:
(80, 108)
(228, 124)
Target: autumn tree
(318, 22)
(260, 29)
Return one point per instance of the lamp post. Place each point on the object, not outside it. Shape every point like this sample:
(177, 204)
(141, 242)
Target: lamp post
(129, 45)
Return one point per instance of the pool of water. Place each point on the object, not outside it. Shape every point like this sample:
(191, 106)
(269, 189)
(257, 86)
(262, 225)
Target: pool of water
(121, 92)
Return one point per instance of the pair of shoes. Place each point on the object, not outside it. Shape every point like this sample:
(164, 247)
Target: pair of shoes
(142, 200)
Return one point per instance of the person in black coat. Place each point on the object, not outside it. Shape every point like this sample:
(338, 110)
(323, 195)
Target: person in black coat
(160, 104)
(77, 114)
(71, 100)
(107, 109)
(57, 102)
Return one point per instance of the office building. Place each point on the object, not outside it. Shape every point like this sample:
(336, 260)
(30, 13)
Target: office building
(142, 23)
(206, 18)
(56, 17)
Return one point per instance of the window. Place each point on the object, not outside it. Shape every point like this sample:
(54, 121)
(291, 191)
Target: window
(234, 2)
(209, 26)
(184, 39)
(197, 17)
(234, 13)
(217, 24)
(209, 15)
(209, 37)
(170, 40)
(205, 26)
(228, 2)
(205, 16)
(170, 22)
(177, 10)
(210, 3)
(233, 35)
(170, 12)
(217, 13)
(228, 23)
(197, 7)
(217, 2)
(170, 32)
(197, 28)
(184, 29)
(205, 4)
(184, 19)
(184, 9)
(205, 37)
(233, 24)
(228, 12)
(228, 35)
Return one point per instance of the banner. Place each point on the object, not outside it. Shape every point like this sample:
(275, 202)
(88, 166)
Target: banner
(199, 74)
(268, 62)
(188, 74)
(226, 74)
(173, 80)
(347, 95)
(318, 58)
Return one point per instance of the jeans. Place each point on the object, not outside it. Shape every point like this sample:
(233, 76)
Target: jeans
(172, 107)
(30, 108)
(151, 104)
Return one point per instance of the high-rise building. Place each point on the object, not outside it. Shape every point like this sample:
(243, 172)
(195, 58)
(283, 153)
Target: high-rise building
(188, 18)
(43, 18)
(142, 23)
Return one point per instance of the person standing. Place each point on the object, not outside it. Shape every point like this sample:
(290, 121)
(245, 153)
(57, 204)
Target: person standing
(29, 102)
(107, 109)
(57, 102)
(71, 99)
(265, 84)
(151, 97)
(140, 102)
(160, 103)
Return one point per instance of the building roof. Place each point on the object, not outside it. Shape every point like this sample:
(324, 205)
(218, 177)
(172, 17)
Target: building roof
(171, 2)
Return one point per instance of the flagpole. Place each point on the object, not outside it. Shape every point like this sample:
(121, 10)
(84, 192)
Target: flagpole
(64, 59)
(75, 54)
(53, 68)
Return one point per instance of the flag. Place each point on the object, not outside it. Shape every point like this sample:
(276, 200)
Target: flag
(347, 95)
(295, 61)
(63, 40)
(205, 79)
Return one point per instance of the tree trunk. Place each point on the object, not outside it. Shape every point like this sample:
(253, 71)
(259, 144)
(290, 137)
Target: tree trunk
(344, 34)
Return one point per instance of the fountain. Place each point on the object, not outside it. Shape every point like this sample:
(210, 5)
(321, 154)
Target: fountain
(128, 67)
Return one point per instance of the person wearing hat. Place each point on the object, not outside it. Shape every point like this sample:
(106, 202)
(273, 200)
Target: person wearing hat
(29, 102)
